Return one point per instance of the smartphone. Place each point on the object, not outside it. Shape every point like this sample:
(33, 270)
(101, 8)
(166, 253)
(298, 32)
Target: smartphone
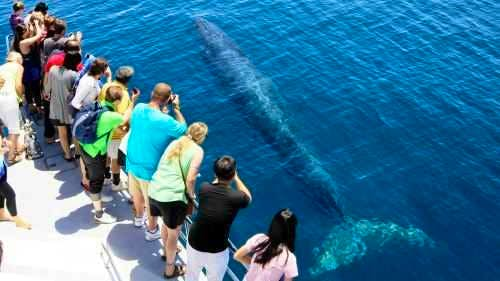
(135, 91)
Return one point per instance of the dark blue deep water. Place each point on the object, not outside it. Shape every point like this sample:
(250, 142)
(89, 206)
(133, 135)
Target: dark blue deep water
(398, 101)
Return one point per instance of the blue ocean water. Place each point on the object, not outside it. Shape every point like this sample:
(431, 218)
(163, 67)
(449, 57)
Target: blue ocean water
(398, 100)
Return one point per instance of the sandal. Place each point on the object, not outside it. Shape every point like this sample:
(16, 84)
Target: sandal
(179, 270)
(70, 159)
(21, 150)
(177, 251)
(14, 160)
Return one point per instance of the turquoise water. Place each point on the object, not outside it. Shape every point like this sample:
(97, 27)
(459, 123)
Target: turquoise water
(398, 102)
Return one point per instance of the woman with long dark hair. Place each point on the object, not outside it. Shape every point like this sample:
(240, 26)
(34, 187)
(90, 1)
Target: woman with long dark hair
(27, 43)
(59, 87)
(270, 257)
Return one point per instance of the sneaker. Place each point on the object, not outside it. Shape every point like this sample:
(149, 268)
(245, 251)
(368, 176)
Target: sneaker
(105, 218)
(152, 236)
(118, 187)
(124, 180)
(107, 181)
(138, 221)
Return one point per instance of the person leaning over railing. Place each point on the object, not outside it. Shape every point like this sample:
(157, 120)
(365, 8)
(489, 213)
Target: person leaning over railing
(49, 129)
(27, 42)
(94, 154)
(57, 59)
(56, 42)
(88, 88)
(86, 93)
(58, 90)
(123, 75)
(17, 15)
(219, 204)
(49, 22)
(40, 8)
(173, 185)
(270, 257)
(151, 130)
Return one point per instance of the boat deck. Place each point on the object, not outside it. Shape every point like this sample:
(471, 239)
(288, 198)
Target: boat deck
(65, 243)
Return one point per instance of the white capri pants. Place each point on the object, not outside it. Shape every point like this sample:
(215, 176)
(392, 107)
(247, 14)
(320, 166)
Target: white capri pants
(10, 114)
(214, 263)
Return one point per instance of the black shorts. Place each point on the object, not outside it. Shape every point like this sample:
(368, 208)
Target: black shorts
(173, 213)
(122, 159)
(94, 168)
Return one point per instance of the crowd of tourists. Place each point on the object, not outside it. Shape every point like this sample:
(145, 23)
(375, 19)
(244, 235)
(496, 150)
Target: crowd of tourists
(88, 109)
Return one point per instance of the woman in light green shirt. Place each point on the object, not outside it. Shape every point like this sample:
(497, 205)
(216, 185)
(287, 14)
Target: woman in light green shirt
(172, 184)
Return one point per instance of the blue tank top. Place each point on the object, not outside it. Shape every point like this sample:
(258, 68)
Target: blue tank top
(32, 64)
(3, 170)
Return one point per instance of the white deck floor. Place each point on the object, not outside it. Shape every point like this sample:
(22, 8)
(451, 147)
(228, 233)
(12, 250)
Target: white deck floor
(65, 243)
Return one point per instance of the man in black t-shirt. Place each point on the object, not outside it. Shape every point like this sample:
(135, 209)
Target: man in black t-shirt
(208, 236)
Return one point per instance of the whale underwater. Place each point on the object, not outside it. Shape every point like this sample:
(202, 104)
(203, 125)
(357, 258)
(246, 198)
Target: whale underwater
(254, 91)
(350, 239)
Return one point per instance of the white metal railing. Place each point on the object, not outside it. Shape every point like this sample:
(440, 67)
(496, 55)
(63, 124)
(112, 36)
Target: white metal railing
(110, 266)
(8, 42)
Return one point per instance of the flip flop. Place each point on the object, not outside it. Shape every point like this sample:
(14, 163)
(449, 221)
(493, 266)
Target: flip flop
(14, 161)
(177, 251)
(71, 159)
(179, 270)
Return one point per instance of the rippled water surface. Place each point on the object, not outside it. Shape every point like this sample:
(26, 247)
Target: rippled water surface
(397, 100)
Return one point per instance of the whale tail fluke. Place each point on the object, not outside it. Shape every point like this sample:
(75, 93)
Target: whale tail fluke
(351, 240)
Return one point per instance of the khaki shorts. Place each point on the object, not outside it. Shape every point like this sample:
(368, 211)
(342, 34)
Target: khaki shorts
(136, 185)
(113, 149)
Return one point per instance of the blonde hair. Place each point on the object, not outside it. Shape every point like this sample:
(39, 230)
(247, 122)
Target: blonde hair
(196, 133)
(37, 16)
(14, 57)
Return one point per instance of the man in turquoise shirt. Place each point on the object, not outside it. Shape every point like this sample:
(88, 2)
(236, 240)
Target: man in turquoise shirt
(151, 130)
(94, 154)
